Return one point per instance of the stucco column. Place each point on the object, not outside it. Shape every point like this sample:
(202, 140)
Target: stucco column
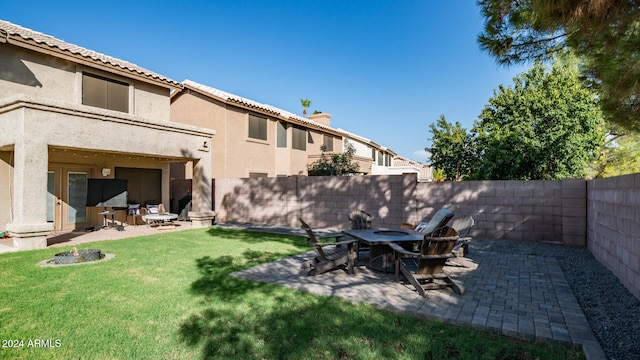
(202, 214)
(29, 227)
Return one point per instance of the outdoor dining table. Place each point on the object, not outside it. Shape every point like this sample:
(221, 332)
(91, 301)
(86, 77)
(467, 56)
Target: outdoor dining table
(380, 253)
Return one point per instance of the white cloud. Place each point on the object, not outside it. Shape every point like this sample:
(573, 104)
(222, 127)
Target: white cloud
(422, 155)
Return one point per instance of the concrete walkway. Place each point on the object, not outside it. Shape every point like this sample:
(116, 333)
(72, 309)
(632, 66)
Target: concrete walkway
(66, 238)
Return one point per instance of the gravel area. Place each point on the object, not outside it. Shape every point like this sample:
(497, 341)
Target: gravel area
(612, 311)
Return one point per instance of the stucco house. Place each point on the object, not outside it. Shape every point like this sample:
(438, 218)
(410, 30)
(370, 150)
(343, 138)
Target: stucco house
(69, 114)
(259, 140)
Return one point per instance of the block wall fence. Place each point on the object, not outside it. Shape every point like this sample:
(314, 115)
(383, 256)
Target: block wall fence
(601, 214)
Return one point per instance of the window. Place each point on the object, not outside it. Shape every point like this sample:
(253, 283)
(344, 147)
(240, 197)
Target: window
(77, 197)
(327, 141)
(373, 154)
(256, 175)
(282, 134)
(105, 93)
(299, 140)
(380, 159)
(257, 128)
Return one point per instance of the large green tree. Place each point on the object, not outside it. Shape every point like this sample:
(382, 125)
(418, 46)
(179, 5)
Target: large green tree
(619, 155)
(605, 34)
(547, 126)
(451, 149)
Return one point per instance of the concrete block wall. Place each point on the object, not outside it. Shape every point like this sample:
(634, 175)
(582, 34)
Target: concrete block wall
(603, 214)
(513, 210)
(614, 226)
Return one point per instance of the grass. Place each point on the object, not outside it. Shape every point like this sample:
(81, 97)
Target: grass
(169, 296)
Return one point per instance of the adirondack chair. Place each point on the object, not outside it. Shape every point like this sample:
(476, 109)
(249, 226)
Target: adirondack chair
(425, 270)
(463, 226)
(331, 255)
(440, 219)
(360, 219)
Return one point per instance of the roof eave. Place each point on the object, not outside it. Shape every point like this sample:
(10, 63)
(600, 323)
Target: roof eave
(66, 55)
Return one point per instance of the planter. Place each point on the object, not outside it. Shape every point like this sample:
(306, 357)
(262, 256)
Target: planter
(79, 256)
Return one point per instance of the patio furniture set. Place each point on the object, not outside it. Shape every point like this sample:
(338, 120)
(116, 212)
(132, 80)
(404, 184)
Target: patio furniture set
(418, 253)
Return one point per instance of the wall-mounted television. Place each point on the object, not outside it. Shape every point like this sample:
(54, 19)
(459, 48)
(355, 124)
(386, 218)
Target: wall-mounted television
(107, 193)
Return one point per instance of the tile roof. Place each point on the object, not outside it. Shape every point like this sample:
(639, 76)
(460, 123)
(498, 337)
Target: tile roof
(228, 97)
(19, 35)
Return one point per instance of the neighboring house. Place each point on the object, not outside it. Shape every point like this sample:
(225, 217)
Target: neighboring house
(67, 115)
(253, 139)
(402, 165)
(373, 158)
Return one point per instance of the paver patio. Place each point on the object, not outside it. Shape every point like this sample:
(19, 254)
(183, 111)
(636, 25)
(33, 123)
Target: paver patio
(523, 296)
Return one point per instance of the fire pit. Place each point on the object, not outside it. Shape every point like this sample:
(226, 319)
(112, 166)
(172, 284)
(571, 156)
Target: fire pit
(391, 233)
(76, 256)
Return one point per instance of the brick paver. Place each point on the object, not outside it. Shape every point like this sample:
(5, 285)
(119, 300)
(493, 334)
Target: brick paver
(515, 295)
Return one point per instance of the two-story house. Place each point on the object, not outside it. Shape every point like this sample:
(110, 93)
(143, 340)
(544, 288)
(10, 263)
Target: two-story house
(253, 139)
(69, 114)
(373, 158)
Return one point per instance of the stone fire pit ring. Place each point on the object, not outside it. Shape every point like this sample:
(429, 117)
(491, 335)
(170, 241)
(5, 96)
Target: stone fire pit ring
(77, 257)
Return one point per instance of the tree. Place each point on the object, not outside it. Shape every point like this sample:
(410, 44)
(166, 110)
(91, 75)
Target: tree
(305, 104)
(620, 155)
(334, 164)
(451, 149)
(604, 34)
(547, 126)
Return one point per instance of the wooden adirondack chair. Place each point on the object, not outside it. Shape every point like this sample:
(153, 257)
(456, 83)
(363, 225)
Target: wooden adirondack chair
(463, 226)
(360, 219)
(425, 270)
(331, 255)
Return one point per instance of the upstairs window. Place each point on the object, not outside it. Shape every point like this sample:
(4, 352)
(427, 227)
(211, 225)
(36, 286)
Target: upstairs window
(282, 134)
(327, 141)
(257, 128)
(299, 138)
(105, 93)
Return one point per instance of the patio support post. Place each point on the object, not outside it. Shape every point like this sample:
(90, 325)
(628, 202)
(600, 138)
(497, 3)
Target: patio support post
(29, 226)
(202, 214)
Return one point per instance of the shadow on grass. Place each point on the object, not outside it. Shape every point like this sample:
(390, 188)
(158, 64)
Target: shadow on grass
(255, 237)
(216, 284)
(247, 319)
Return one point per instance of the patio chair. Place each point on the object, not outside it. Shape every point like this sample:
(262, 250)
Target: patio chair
(133, 210)
(425, 270)
(360, 219)
(440, 219)
(463, 226)
(331, 255)
(148, 210)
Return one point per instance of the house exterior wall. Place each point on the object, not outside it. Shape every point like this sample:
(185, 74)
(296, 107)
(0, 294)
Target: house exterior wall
(44, 126)
(36, 74)
(235, 154)
(6, 159)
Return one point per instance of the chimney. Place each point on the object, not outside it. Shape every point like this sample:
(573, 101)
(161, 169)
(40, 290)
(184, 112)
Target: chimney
(322, 118)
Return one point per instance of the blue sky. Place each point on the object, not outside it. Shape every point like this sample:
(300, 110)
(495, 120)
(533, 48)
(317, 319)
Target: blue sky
(385, 69)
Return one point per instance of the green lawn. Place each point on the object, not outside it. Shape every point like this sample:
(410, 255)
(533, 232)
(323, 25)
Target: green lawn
(169, 296)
